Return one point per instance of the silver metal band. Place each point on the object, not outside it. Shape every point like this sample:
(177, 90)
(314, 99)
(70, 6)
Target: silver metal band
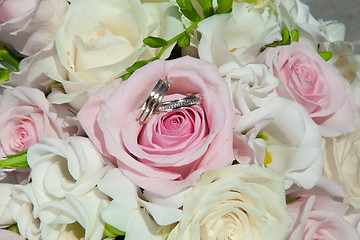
(181, 103)
(153, 101)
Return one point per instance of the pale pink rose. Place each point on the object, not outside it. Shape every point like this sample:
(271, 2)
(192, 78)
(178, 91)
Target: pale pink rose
(6, 235)
(309, 80)
(30, 25)
(26, 115)
(173, 149)
(319, 213)
(10, 9)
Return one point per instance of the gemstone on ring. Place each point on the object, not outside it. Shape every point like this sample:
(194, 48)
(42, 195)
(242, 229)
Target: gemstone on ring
(153, 101)
(181, 103)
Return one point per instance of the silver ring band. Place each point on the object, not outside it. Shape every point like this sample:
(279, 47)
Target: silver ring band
(181, 103)
(153, 101)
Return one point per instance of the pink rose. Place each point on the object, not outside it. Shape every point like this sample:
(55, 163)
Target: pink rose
(6, 235)
(319, 213)
(10, 9)
(309, 80)
(26, 115)
(30, 25)
(170, 152)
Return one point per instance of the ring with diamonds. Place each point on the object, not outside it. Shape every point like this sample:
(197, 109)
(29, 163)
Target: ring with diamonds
(153, 101)
(181, 103)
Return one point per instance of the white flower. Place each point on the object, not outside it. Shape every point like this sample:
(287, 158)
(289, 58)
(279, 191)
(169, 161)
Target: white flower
(35, 28)
(74, 217)
(24, 209)
(62, 193)
(236, 202)
(285, 139)
(251, 86)
(61, 167)
(237, 36)
(5, 196)
(342, 163)
(132, 214)
(294, 14)
(97, 42)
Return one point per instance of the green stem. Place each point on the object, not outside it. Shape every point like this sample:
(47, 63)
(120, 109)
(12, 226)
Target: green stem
(172, 40)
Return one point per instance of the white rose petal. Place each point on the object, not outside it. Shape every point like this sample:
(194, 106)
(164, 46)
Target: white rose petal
(97, 42)
(237, 202)
(251, 86)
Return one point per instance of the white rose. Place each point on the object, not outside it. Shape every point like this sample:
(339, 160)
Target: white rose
(237, 36)
(97, 42)
(341, 163)
(35, 28)
(237, 202)
(251, 86)
(284, 139)
(133, 214)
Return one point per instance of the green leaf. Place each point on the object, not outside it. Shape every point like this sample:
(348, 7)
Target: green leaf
(112, 232)
(125, 76)
(224, 6)
(4, 74)
(13, 228)
(17, 160)
(207, 6)
(291, 200)
(155, 42)
(294, 35)
(136, 66)
(8, 57)
(285, 36)
(184, 39)
(326, 55)
(188, 10)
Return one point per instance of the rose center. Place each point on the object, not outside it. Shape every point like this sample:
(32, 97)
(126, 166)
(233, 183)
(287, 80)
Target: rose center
(307, 73)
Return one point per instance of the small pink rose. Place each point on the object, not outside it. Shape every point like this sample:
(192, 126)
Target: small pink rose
(309, 80)
(26, 115)
(170, 152)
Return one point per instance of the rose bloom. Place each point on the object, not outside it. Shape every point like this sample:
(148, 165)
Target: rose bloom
(30, 25)
(309, 80)
(319, 213)
(236, 202)
(26, 115)
(341, 163)
(170, 152)
(97, 42)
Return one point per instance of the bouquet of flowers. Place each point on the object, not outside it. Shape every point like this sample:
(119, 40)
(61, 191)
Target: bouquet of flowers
(186, 119)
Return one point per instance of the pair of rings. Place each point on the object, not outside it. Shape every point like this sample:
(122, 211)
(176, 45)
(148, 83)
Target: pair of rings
(153, 102)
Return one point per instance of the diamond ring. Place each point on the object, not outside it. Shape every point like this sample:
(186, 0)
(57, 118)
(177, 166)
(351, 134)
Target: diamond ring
(181, 103)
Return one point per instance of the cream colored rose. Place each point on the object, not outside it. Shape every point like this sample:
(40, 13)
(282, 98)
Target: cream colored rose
(237, 202)
(97, 42)
(342, 163)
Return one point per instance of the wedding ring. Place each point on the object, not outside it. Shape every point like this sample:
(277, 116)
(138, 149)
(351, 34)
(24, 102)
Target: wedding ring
(153, 101)
(181, 103)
